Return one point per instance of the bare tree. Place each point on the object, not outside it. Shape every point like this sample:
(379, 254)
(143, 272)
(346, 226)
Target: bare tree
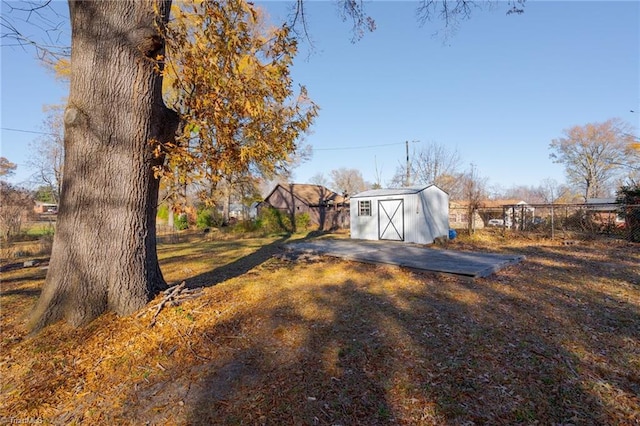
(319, 179)
(238, 189)
(48, 153)
(451, 12)
(474, 190)
(22, 21)
(554, 192)
(592, 154)
(15, 206)
(347, 181)
(15, 203)
(549, 189)
(377, 184)
(433, 164)
(530, 194)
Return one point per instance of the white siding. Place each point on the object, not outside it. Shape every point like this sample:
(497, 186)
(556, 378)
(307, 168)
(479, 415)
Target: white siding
(425, 215)
(433, 218)
(364, 227)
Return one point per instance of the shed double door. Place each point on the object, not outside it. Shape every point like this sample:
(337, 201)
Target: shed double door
(391, 220)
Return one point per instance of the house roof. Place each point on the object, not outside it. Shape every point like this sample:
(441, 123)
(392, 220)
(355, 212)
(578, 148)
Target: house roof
(489, 204)
(312, 195)
(391, 191)
(601, 201)
(500, 203)
(603, 204)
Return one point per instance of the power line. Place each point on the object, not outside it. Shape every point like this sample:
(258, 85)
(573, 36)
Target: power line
(342, 148)
(357, 147)
(28, 131)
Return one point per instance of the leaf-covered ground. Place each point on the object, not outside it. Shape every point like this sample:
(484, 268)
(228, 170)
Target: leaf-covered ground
(317, 341)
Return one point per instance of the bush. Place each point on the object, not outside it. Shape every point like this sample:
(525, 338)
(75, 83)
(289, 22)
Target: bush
(181, 223)
(15, 207)
(273, 220)
(245, 226)
(303, 221)
(629, 198)
(207, 218)
(163, 212)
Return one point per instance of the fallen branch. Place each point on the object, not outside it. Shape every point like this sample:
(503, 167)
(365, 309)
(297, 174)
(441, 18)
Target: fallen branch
(173, 296)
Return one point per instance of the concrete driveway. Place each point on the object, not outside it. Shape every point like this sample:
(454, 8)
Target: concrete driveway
(463, 263)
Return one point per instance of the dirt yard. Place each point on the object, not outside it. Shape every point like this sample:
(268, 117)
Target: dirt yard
(554, 340)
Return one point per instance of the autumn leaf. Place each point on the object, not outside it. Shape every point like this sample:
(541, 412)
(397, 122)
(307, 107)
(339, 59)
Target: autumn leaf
(228, 77)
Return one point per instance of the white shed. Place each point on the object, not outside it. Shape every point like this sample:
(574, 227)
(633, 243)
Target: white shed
(415, 215)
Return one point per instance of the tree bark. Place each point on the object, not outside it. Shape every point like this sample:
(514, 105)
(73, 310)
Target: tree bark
(104, 251)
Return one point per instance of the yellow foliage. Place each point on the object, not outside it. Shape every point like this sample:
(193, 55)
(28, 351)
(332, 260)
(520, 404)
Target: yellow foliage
(227, 74)
(62, 68)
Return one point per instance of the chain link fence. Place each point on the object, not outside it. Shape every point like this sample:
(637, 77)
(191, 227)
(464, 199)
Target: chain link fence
(567, 220)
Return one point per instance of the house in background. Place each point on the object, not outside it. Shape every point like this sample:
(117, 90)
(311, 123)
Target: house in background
(415, 215)
(605, 211)
(459, 216)
(326, 209)
(238, 211)
(46, 208)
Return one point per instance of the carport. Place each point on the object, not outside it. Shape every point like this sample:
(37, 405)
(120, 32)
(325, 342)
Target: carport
(461, 263)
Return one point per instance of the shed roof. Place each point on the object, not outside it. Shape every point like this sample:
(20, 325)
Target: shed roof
(391, 191)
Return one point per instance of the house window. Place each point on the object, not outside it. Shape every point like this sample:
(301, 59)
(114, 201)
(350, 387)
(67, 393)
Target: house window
(364, 208)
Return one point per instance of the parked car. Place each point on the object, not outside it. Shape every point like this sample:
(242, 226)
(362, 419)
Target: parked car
(495, 222)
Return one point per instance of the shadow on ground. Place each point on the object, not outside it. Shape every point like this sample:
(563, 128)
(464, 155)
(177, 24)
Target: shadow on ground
(381, 346)
(244, 264)
(238, 267)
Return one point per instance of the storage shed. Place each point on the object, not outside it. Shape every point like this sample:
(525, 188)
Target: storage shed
(415, 215)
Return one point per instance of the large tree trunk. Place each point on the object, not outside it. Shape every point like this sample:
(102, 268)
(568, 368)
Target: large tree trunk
(104, 251)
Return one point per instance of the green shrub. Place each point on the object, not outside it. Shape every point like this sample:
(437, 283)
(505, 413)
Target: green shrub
(181, 223)
(303, 221)
(629, 199)
(245, 226)
(208, 218)
(39, 230)
(163, 212)
(273, 221)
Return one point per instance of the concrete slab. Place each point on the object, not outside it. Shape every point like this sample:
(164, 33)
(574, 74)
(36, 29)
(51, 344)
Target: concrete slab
(468, 264)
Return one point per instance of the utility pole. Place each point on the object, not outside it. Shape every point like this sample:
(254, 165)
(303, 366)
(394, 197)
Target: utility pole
(408, 181)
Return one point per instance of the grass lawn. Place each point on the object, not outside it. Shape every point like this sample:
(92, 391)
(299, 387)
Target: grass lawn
(320, 341)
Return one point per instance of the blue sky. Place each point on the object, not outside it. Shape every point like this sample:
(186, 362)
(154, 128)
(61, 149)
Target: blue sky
(497, 91)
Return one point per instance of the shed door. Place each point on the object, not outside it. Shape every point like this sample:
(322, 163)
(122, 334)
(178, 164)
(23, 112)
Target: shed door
(391, 220)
